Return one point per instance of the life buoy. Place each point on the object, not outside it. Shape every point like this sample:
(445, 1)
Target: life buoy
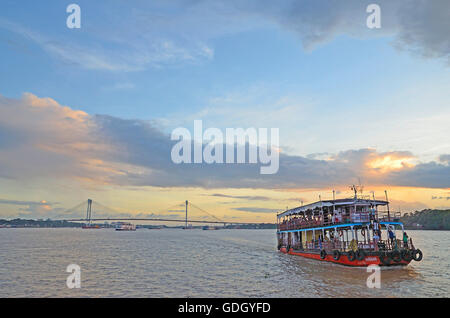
(360, 255)
(384, 258)
(351, 256)
(323, 254)
(417, 255)
(396, 256)
(336, 255)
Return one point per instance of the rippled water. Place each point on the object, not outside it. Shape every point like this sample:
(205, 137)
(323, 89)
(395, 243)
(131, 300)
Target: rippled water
(196, 263)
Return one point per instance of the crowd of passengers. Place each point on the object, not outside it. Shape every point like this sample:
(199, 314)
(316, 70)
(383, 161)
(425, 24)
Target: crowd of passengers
(305, 221)
(302, 221)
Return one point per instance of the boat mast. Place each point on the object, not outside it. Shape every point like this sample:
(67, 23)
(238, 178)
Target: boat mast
(389, 215)
(334, 199)
(334, 212)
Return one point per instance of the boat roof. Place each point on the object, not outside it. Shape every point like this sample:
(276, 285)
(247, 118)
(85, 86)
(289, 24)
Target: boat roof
(326, 203)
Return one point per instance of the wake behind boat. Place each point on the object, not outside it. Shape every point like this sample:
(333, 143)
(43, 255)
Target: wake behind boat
(350, 232)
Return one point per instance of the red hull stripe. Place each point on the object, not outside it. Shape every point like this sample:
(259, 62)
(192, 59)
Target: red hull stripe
(343, 260)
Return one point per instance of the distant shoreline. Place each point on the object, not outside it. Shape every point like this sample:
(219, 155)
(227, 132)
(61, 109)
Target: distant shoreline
(28, 224)
(427, 220)
(437, 220)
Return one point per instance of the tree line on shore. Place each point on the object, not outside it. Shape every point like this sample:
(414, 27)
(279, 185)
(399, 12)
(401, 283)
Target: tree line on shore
(427, 220)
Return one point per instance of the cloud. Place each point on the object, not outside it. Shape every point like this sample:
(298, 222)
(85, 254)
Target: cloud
(423, 28)
(152, 34)
(256, 210)
(444, 159)
(17, 202)
(41, 138)
(252, 198)
(101, 52)
(402, 206)
(429, 174)
(418, 26)
(439, 198)
(35, 208)
(44, 140)
(243, 197)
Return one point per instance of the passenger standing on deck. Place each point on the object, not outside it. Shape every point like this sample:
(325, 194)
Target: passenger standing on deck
(405, 240)
(376, 238)
(372, 213)
(391, 236)
(376, 226)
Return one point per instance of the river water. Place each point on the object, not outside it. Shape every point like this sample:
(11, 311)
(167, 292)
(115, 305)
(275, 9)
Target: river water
(196, 263)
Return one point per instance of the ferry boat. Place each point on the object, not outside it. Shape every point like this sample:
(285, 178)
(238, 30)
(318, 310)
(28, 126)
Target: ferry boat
(353, 232)
(126, 227)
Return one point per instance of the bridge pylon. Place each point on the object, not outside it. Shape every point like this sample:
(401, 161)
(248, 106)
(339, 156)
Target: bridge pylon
(89, 211)
(186, 219)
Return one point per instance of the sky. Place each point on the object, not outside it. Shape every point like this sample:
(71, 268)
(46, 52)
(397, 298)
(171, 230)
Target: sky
(88, 112)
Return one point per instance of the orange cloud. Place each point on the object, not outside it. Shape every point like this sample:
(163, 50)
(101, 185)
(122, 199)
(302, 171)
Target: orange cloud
(391, 161)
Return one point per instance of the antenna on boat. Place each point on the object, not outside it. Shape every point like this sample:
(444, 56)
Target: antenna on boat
(334, 199)
(355, 190)
(321, 204)
(360, 186)
(387, 200)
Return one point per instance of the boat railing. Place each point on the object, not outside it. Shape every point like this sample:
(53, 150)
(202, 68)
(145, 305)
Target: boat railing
(304, 223)
(360, 217)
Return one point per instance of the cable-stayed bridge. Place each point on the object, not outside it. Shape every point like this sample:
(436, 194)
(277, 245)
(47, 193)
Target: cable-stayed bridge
(95, 212)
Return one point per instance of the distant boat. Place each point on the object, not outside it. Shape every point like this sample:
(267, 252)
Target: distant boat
(126, 227)
(208, 228)
(89, 226)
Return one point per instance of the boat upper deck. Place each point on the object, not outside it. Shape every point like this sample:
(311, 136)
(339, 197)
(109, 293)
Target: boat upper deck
(334, 212)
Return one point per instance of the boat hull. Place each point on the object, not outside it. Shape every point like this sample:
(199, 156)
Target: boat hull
(343, 260)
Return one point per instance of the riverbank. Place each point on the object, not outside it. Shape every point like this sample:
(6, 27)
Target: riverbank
(427, 220)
